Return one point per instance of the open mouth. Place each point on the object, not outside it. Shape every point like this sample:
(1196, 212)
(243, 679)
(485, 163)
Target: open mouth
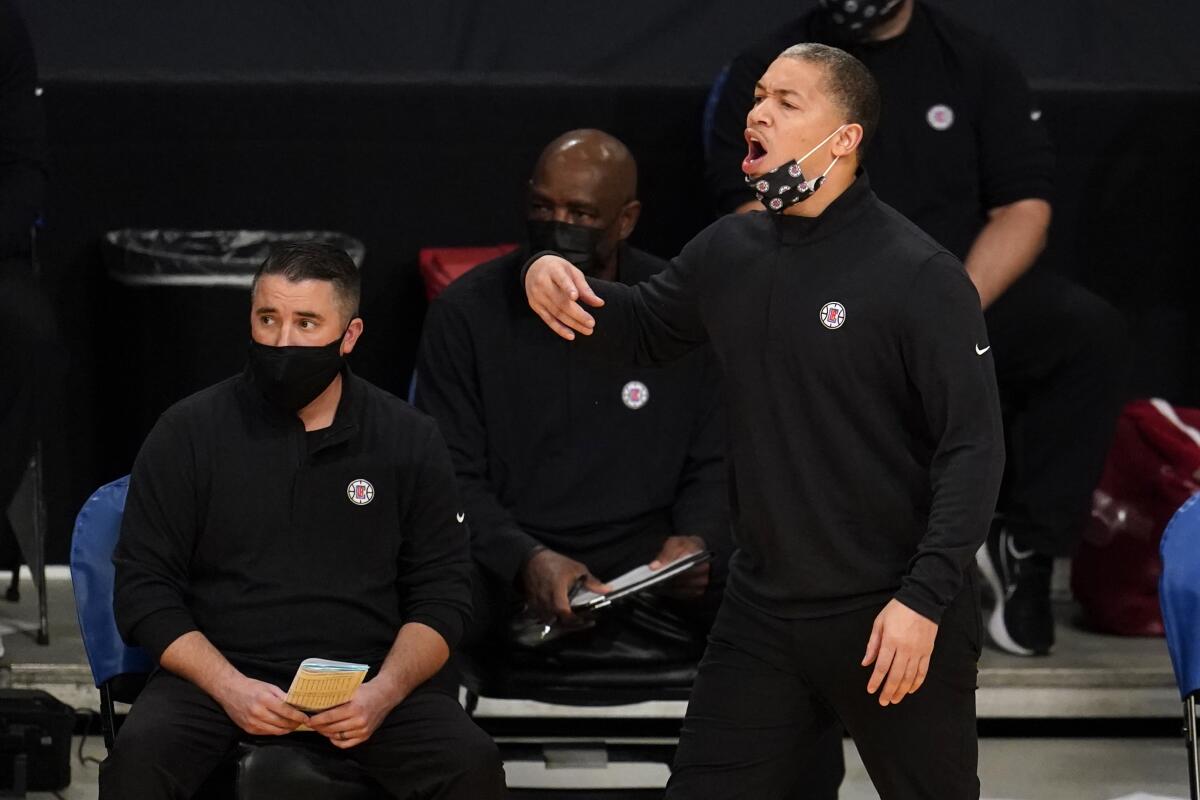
(756, 152)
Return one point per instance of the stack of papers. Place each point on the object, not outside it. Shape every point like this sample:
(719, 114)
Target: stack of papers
(320, 684)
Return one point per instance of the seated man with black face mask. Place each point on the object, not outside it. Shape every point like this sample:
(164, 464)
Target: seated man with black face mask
(296, 511)
(548, 510)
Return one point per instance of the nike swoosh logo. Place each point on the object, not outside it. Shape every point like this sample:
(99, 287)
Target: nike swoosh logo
(460, 516)
(979, 352)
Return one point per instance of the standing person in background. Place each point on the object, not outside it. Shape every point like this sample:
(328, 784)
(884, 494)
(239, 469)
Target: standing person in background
(961, 152)
(28, 342)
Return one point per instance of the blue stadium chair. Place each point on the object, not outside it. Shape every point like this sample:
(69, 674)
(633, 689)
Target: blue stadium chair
(1179, 594)
(267, 768)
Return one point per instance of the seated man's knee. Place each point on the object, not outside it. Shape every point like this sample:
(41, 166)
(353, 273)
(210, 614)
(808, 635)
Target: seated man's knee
(474, 767)
(141, 757)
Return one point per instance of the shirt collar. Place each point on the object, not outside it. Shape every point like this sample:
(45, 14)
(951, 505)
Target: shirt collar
(845, 209)
(344, 418)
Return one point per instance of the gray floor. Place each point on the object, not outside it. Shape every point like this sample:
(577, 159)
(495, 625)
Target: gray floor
(1009, 769)
(1062, 769)
(1105, 676)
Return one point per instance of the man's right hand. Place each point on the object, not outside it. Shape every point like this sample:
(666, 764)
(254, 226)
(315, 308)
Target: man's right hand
(554, 287)
(258, 708)
(548, 577)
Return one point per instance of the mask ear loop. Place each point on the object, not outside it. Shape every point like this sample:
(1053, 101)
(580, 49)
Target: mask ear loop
(820, 144)
(821, 178)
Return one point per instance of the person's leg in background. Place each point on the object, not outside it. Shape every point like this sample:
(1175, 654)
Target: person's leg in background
(1062, 362)
(29, 362)
(754, 729)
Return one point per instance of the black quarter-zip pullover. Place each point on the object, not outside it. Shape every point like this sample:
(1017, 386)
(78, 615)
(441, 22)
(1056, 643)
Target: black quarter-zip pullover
(279, 545)
(864, 420)
(596, 460)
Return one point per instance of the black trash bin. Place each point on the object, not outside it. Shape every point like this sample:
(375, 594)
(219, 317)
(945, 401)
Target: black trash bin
(181, 305)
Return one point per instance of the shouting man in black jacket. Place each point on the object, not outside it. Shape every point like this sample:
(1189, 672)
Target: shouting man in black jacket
(866, 451)
(296, 511)
(963, 152)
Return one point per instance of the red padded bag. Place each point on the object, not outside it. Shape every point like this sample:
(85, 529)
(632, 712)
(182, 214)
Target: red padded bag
(1152, 468)
(440, 266)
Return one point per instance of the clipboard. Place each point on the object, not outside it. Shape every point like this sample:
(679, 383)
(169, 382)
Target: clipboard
(634, 581)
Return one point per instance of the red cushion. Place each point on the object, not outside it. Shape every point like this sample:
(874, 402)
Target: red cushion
(441, 266)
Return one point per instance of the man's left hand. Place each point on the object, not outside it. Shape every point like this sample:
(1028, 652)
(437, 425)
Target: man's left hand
(687, 585)
(900, 647)
(353, 722)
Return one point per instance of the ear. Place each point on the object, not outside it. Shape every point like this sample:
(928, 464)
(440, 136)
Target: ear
(350, 338)
(848, 139)
(628, 218)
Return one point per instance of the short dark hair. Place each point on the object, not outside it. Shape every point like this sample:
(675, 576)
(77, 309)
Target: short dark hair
(848, 83)
(316, 261)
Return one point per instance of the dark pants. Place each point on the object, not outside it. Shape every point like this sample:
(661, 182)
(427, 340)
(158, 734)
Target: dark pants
(770, 690)
(176, 735)
(1062, 360)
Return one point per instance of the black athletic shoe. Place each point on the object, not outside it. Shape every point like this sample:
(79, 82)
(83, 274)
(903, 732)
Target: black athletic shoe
(1022, 621)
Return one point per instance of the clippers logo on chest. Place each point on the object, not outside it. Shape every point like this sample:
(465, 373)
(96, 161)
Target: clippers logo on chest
(360, 491)
(635, 395)
(833, 315)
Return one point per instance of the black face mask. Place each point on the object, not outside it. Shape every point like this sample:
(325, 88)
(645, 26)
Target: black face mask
(853, 20)
(578, 244)
(291, 377)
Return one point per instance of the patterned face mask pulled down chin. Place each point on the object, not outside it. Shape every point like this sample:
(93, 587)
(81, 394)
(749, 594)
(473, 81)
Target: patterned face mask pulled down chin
(785, 185)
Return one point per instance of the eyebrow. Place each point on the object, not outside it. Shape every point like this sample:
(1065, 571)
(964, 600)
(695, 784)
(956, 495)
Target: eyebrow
(758, 87)
(574, 205)
(305, 314)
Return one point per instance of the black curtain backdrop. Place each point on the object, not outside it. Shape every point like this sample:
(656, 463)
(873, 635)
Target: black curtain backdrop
(410, 127)
(1149, 42)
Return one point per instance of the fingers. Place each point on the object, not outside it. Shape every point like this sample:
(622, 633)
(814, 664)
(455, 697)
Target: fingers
(561, 600)
(922, 671)
(584, 289)
(882, 665)
(573, 316)
(553, 286)
(873, 642)
(904, 686)
(669, 552)
(564, 281)
(331, 716)
(899, 678)
(562, 604)
(554, 325)
(594, 584)
(292, 714)
(676, 547)
(567, 314)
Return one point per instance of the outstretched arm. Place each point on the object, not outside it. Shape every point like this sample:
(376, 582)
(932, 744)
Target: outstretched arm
(652, 323)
